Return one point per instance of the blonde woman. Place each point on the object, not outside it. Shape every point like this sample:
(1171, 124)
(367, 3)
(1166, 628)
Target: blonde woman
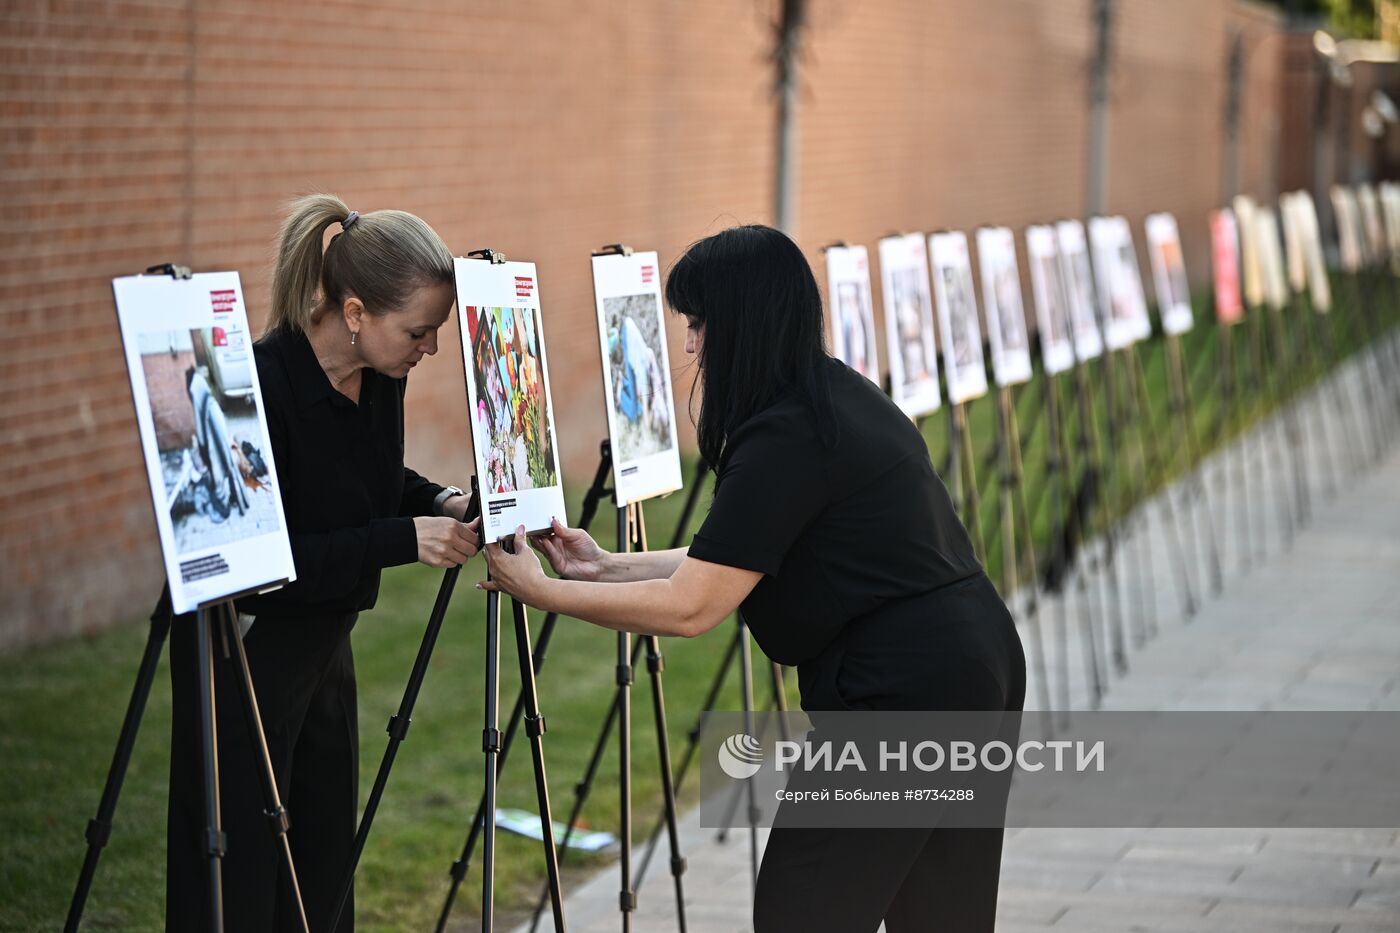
(346, 326)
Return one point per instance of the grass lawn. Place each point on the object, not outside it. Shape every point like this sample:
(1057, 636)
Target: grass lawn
(60, 706)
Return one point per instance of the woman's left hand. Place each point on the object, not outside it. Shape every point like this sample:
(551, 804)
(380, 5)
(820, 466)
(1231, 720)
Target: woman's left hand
(517, 574)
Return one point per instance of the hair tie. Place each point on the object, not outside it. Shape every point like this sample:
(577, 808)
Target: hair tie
(349, 220)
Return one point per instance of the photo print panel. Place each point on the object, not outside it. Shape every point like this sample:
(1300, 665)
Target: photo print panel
(1348, 223)
(852, 317)
(1251, 267)
(1079, 289)
(512, 412)
(1169, 273)
(646, 458)
(1225, 266)
(1271, 269)
(1319, 284)
(1006, 311)
(1294, 254)
(1051, 312)
(204, 434)
(1124, 316)
(1375, 248)
(909, 324)
(1390, 215)
(963, 364)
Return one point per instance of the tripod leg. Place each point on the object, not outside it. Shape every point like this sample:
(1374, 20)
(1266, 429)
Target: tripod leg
(746, 682)
(627, 898)
(99, 828)
(655, 665)
(534, 729)
(214, 840)
(276, 814)
(491, 746)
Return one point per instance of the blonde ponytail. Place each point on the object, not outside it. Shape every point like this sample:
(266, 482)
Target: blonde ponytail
(380, 258)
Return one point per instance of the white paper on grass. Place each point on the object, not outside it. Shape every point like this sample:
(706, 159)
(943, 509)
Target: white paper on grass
(963, 365)
(1319, 286)
(1169, 273)
(852, 317)
(909, 324)
(219, 515)
(511, 411)
(1051, 312)
(1125, 319)
(646, 459)
(1271, 259)
(1079, 287)
(1006, 311)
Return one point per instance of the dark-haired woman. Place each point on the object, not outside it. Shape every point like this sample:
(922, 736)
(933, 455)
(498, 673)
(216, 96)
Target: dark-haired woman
(347, 324)
(831, 530)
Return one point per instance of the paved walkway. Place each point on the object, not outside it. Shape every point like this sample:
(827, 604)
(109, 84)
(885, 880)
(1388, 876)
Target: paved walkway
(1315, 625)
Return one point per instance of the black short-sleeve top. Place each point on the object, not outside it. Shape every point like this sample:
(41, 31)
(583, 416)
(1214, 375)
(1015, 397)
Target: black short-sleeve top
(840, 533)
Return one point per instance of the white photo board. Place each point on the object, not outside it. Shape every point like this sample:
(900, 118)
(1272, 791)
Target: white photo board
(646, 459)
(1376, 250)
(1169, 273)
(1271, 268)
(904, 281)
(961, 336)
(1347, 217)
(1294, 252)
(1051, 302)
(511, 411)
(1124, 317)
(1319, 284)
(199, 411)
(1390, 212)
(1006, 311)
(1225, 266)
(852, 317)
(1079, 287)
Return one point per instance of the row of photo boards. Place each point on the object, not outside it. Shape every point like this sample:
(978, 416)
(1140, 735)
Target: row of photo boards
(206, 443)
(204, 431)
(1088, 293)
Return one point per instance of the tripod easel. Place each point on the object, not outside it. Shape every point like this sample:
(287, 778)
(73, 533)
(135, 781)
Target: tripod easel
(963, 470)
(214, 619)
(1183, 414)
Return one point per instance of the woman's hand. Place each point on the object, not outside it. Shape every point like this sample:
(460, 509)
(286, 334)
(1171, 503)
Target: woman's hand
(445, 542)
(516, 574)
(571, 552)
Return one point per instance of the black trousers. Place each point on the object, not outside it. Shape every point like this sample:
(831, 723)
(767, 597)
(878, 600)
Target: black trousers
(957, 649)
(304, 676)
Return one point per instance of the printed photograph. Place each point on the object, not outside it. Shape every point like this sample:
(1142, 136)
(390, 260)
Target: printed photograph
(1011, 316)
(512, 423)
(213, 455)
(852, 311)
(641, 391)
(911, 306)
(957, 286)
(1047, 268)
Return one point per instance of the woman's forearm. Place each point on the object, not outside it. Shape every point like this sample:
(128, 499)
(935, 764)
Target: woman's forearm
(644, 607)
(641, 565)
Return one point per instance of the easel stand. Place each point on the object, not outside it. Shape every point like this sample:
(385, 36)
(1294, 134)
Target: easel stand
(213, 621)
(1090, 511)
(458, 871)
(1014, 514)
(1226, 419)
(964, 474)
(216, 619)
(1262, 386)
(631, 535)
(1183, 414)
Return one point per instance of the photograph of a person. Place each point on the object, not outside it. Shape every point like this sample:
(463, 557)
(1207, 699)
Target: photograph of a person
(909, 324)
(1169, 273)
(1079, 288)
(641, 389)
(852, 318)
(1001, 299)
(957, 316)
(1047, 285)
(511, 423)
(212, 450)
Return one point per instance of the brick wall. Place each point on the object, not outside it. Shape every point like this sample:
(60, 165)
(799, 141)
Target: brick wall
(138, 132)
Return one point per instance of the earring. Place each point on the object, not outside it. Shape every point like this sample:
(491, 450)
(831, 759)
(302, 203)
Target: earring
(353, 335)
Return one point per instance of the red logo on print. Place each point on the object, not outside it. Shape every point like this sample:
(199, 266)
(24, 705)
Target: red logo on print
(524, 286)
(223, 301)
(648, 274)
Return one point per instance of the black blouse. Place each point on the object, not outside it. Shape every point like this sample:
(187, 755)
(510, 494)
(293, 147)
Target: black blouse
(842, 534)
(348, 498)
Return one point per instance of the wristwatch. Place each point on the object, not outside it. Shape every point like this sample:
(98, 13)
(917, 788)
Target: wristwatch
(441, 498)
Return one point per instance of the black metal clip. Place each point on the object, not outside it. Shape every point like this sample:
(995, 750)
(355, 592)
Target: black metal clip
(613, 249)
(170, 269)
(495, 257)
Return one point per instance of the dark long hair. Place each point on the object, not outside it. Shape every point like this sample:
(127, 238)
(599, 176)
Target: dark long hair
(754, 293)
